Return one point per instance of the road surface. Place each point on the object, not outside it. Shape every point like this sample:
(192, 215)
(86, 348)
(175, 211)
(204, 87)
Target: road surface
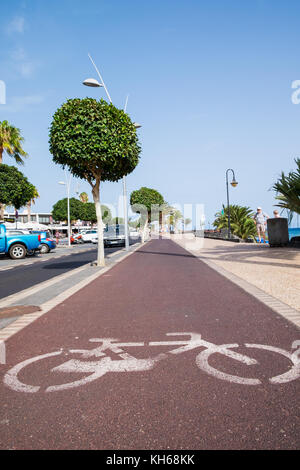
(22, 277)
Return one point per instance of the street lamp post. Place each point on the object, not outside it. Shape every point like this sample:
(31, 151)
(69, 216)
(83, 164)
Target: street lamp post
(233, 183)
(126, 204)
(91, 82)
(67, 183)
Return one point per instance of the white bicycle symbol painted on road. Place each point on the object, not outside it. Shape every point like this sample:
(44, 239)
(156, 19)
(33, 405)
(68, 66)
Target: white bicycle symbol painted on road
(128, 363)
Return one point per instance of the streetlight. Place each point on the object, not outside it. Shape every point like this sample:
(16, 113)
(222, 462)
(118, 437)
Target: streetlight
(67, 183)
(91, 82)
(233, 183)
(125, 205)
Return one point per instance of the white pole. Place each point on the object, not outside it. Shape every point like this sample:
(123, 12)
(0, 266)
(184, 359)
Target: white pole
(108, 95)
(69, 241)
(125, 199)
(68, 184)
(125, 214)
(124, 178)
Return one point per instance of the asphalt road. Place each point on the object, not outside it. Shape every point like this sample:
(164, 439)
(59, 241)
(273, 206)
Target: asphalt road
(160, 400)
(22, 277)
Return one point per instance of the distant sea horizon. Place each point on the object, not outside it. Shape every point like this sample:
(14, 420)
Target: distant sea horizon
(294, 232)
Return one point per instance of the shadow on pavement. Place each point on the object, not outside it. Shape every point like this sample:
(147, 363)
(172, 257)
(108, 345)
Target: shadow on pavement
(66, 265)
(165, 254)
(244, 254)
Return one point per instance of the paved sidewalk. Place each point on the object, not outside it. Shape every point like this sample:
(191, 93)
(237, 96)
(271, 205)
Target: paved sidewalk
(101, 370)
(274, 270)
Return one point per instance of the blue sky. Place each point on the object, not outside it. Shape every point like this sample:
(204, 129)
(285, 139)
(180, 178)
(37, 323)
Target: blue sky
(210, 82)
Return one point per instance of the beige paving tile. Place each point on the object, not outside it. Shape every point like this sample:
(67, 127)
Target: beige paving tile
(275, 271)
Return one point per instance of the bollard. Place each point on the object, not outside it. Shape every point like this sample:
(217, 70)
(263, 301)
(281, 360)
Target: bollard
(278, 231)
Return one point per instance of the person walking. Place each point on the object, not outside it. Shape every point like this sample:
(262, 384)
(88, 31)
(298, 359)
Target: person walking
(260, 219)
(57, 235)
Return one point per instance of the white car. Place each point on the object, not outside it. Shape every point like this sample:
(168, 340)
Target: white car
(134, 234)
(114, 235)
(89, 235)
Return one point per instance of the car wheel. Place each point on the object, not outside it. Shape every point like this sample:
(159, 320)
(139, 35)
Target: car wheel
(17, 251)
(45, 248)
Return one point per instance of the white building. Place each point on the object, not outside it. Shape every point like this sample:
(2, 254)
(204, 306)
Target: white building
(44, 218)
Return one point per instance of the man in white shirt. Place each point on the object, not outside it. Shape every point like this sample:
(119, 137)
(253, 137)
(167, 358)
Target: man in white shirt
(260, 220)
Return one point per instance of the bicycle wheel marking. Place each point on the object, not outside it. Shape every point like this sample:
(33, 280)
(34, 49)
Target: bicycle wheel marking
(102, 364)
(292, 374)
(11, 377)
(202, 363)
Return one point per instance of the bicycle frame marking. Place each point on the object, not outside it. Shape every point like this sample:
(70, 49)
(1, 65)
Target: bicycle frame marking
(128, 363)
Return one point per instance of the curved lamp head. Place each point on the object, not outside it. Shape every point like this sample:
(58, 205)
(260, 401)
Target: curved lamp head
(137, 125)
(234, 183)
(92, 82)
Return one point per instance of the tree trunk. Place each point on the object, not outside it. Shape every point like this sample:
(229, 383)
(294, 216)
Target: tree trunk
(29, 211)
(96, 197)
(144, 231)
(2, 208)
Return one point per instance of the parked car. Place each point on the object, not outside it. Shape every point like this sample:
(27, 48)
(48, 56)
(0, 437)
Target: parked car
(77, 238)
(89, 235)
(114, 235)
(47, 241)
(134, 233)
(17, 231)
(16, 244)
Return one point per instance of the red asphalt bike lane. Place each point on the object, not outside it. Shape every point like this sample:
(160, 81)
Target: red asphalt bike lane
(159, 289)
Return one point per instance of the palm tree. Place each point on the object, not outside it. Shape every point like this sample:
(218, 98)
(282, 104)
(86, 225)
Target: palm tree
(11, 142)
(244, 229)
(288, 190)
(35, 195)
(241, 218)
(173, 218)
(84, 198)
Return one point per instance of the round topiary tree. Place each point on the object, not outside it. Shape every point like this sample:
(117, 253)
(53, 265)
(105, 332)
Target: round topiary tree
(96, 142)
(88, 213)
(60, 209)
(143, 201)
(15, 189)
